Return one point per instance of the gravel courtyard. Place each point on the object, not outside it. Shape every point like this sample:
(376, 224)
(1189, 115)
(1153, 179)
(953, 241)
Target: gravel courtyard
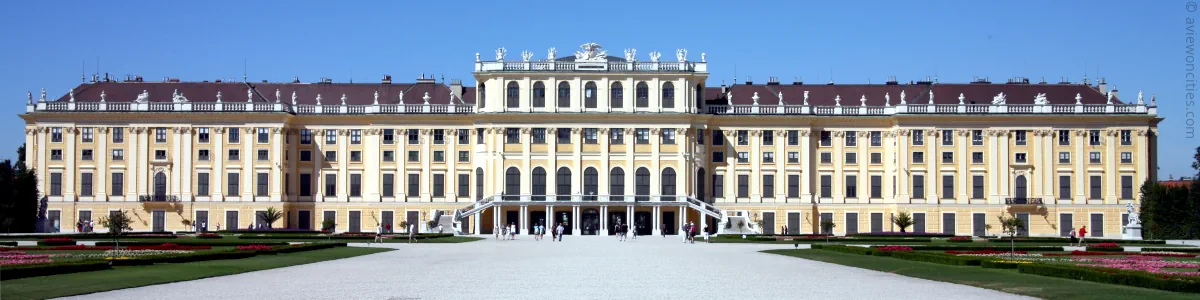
(578, 268)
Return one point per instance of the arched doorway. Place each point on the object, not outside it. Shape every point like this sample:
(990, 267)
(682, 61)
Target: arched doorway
(589, 219)
(160, 186)
(562, 218)
(1020, 192)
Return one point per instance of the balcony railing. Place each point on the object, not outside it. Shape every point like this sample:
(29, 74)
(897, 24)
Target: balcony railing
(158, 198)
(1023, 201)
(304, 109)
(789, 109)
(572, 66)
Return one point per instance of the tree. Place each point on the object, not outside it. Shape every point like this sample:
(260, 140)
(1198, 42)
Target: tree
(1011, 226)
(827, 226)
(270, 215)
(903, 219)
(328, 225)
(18, 195)
(117, 223)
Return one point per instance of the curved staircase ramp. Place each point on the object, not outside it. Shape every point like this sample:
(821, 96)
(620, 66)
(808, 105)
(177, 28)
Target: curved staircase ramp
(489, 201)
(729, 225)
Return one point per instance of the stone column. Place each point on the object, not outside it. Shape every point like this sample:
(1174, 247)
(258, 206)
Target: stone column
(657, 219)
(249, 138)
(217, 175)
(69, 174)
(101, 156)
(343, 161)
(276, 187)
(575, 220)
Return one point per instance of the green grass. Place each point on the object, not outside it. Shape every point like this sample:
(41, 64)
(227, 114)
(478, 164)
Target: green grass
(136, 276)
(1009, 281)
(916, 243)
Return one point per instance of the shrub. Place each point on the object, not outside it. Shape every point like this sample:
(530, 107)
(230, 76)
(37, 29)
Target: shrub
(998, 264)
(191, 242)
(939, 258)
(254, 248)
(979, 248)
(844, 249)
(1067, 240)
(9, 243)
(894, 248)
(56, 242)
(183, 258)
(900, 234)
(960, 239)
(26, 271)
(209, 236)
(1114, 276)
(1110, 247)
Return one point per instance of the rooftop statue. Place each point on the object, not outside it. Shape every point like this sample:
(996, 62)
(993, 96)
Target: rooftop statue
(591, 52)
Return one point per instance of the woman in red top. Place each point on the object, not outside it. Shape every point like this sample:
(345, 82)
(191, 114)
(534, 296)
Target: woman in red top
(1082, 234)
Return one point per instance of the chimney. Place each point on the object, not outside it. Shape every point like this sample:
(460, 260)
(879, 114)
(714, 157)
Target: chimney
(1103, 86)
(892, 81)
(724, 89)
(387, 79)
(798, 81)
(773, 81)
(295, 79)
(749, 80)
(456, 88)
(1113, 92)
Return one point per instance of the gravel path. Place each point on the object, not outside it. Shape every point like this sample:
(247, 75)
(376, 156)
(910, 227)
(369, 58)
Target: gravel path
(578, 268)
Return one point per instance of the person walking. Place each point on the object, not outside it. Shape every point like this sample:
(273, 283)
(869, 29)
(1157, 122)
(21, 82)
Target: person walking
(1074, 238)
(684, 232)
(706, 232)
(496, 231)
(560, 231)
(378, 234)
(512, 231)
(692, 234)
(662, 230)
(412, 233)
(1083, 236)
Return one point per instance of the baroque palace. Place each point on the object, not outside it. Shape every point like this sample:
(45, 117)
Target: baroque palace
(592, 141)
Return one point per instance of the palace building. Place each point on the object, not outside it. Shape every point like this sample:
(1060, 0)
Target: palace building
(593, 140)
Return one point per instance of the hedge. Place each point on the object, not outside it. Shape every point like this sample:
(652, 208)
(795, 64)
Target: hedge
(208, 242)
(183, 258)
(939, 258)
(1181, 249)
(1114, 276)
(34, 270)
(313, 237)
(845, 249)
(898, 234)
(301, 247)
(57, 243)
(1067, 240)
(1106, 249)
(996, 264)
(267, 231)
(9, 243)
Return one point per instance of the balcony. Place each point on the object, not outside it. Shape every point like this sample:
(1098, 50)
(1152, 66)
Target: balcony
(1023, 201)
(158, 198)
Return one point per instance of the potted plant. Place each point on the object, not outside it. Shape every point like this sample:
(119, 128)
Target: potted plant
(270, 215)
(903, 220)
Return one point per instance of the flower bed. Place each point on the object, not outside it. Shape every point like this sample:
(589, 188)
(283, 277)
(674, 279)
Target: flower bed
(1166, 254)
(1115, 276)
(60, 241)
(254, 248)
(894, 248)
(1150, 264)
(62, 248)
(1105, 247)
(939, 258)
(208, 236)
(1067, 240)
(169, 247)
(960, 239)
(983, 252)
(1084, 253)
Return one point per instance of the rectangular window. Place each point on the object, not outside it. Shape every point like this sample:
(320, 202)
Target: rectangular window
(826, 138)
(262, 154)
(263, 135)
(1021, 158)
(1064, 186)
(793, 157)
(1094, 137)
(918, 186)
(414, 186)
(464, 136)
(306, 155)
(85, 184)
(414, 156)
(851, 186)
(55, 184)
(356, 156)
(947, 137)
(231, 184)
(202, 184)
(793, 137)
(464, 185)
(118, 135)
(1126, 187)
(851, 158)
(202, 155)
(876, 186)
(235, 135)
(355, 136)
(479, 135)
(160, 135)
(563, 136)
(464, 156)
(718, 137)
(876, 158)
(718, 156)
(876, 139)
(1126, 137)
(330, 185)
(743, 137)
(768, 186)
(1094, 157)
(918, 157)
(1126, 157)
(768, 157)
(439, 136)
(439, 156)
(718, 186)
(977, 137)
(355, 185)
(389, 185)
(668, 136)
(512, 136)
(414, 136)
(947, 187)
(1064, 157)
(592, 136)
(85, 154)
(1064, 137)
(305, 185)
(743, 186)
(851, 139)
(793, 182)
(826, 158)
(1019, 137)
(826, 186)
(439, 185)
(617, 136)
(743, 157)
(262, 182)
(947, 157)
(642, 135)
(700, 136)
(977, 157)
(1095, 189)
(118, 183)
(918, 137)
(202, 135)
(160, 154)
(330, 136)
(768, 137)
(331, 156)
(977, 187)
(118, 155)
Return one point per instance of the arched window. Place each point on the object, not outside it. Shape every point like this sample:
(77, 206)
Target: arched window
(482, 95)
(564, 95)
(563, 181)
(1020, 189)
(512, 183)
(589, 95)
(641, 183)
(643, 95)
(668, 184)
(616, 184)
(668, 95)
(700, 185)
(513, 97)
(160, 186)
(616, 95)
(591, 182)
(539, 94)
(539, 184)
(478, 184)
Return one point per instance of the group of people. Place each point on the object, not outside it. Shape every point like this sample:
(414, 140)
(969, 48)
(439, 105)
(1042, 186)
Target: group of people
(1079, 240)
(689, 233)
(509, 232)
(380, 229)
(622, 231)
(84, 226)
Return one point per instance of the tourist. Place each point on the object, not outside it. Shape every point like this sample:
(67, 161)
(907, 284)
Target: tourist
(512, 231)
(560, 231)
(218, 226)
(692, 233)
(706, 232)
(79, 226)
(1083, 236)
(684, 233)
(662, 230)
(412, 233)
(496, 231)
(1074, 239)
(439, 228)
(378, 234)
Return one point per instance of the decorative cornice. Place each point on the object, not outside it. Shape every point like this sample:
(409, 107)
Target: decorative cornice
(576, 130)
(526, 130)
(804, 132)
(604, 130)
(839, 133)
(1142, 132)
(681, 131)
(864, 134)
(1080, 132)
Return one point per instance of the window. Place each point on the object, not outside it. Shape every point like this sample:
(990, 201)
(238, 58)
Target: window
(202, 155)
(793, 137)
(793, 157)
(263, 135)
(826, 138)
(1064, 157)
(262, 182)
(85, 154)
(743, 137)
(563, 136)
(668, 184)
(743, 186)
(1094, 137)
(851, 186)
(355, 185)
(160, 135)
(439, 136)
(85, 184)
(1127, 187)
(876, 158)
(331, 156)
(235, 135)
(1126, 137)
(977, 187)
(464, 185)
(414, 136)
(414, 156)
(1064, 137)
(1021, 158)
(617, 135)
(564, 95)
(591, 135)
(851, 158)
(118, 135)
(537, 186)
(1095, 188)
(668, 136)
(118, 183)
(202, 135)
(355, 136)
(768, 137)
(616, 95)
(118, 154)
(356, 156)
(512, 136)
(464, 156)
(1064, 186)
(1094, 157)
(479, 135)
(1020, 138)
(718, 184)
(330, 136)
(977, 157)
(947, 187)
(234, 155)
(768, 186)
(977, 137)
(918, 157)
(439, 156)
(668, 95)
(160, 154)
(305, 136)
(563, 181)
(389, 185)
(918, 137)
(539, 94)
(1126, 157)
(826, 186)
(414, 186)
(306, 155)
(718, 156)
(305, 185)
(876, 139)
(718, 137)
(262, 154)
(826, 157)
(330, 185)
(700, 136)
(464, 137)
(947, 137)
(743, 157)
(918, 186)
(851, 139)
(55, 184)
(947, 157)
(768, 157)
(513, 97)
(642, 135)
(793, 186)
(642, 95)
(231, 184)
(876, 186)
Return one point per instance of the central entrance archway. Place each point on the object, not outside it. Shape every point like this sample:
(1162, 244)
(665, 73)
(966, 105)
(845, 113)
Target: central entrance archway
(590, 221)
(564, 218)
(642, 221)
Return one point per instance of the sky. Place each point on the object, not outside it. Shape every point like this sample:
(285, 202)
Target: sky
(1135, 45)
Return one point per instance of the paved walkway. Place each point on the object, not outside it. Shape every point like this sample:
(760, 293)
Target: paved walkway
(578, 268)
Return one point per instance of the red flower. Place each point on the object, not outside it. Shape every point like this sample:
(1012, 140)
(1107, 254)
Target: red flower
(895, 248)
(960, 238)
(1106, 245)
(254, 248)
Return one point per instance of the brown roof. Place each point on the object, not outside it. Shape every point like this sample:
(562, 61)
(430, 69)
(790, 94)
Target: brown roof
(356, 93)
(852, 94)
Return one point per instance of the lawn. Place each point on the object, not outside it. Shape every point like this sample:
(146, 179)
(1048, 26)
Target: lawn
(1005, 280)
(916, 242)
(136, 276)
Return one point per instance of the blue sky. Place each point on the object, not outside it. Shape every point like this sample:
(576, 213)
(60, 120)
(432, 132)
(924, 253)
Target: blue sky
(1135, 45)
